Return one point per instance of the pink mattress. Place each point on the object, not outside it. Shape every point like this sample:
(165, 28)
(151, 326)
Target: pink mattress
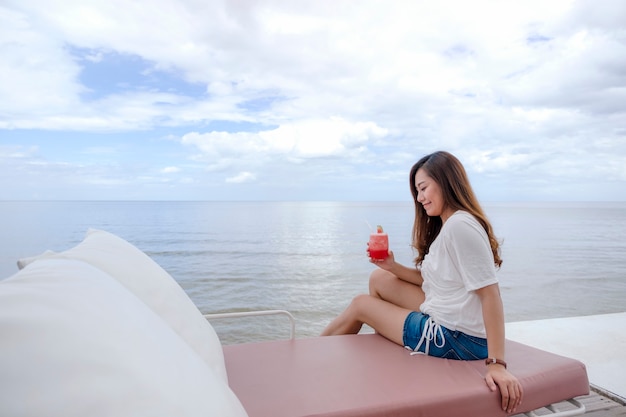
(367, 376)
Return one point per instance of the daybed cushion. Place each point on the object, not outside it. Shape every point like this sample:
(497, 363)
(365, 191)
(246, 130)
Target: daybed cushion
(152, 284)
(367, 376)
(75, 342)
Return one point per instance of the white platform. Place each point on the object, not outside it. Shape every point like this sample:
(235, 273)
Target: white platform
(597, 341)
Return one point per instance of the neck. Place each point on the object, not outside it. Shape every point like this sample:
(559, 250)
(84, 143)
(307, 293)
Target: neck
(445, 215)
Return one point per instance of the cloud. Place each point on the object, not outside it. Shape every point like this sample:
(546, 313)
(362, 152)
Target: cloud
(37, 76)
(291, 90)
(315, 61)
(304, 139)
(9, 153)
(241, 178)
(170, 170)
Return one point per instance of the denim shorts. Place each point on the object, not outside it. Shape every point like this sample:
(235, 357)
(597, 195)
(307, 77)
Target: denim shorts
(439, 341)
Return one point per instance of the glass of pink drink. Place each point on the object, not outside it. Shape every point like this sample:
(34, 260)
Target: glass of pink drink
(379, 244)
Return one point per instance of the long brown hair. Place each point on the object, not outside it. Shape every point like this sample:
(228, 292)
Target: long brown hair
(448, 172)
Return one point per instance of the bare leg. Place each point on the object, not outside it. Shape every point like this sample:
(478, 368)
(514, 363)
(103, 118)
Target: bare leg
(385, 309)
(386, 318)
(388, 287)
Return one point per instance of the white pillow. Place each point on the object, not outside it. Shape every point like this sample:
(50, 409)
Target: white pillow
(74, 343)
(152, 284)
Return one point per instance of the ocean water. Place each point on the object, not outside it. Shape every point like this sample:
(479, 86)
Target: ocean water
(560, 259)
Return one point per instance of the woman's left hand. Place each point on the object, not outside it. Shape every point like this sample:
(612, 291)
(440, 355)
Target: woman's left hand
(510, 388)
(386, 264)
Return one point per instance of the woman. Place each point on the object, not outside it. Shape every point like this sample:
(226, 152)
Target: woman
(449, 305)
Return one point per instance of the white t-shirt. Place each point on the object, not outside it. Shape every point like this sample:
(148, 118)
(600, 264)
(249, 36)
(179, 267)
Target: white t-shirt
(459, 261)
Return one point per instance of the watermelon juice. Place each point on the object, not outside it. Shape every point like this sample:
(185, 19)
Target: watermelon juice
(379, 245)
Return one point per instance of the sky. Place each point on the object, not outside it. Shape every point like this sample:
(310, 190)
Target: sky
(327, 100)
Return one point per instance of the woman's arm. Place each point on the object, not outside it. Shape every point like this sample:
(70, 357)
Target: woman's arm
(405, 273)
(493, 316)
(497, 375)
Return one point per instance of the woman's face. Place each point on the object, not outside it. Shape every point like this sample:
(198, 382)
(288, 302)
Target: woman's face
(429, 195)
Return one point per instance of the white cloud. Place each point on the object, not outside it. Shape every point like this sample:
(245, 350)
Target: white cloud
(16, 152)
(302, 139)
(352, 60)
(170, 170)
(241, 178)
(38, 78)
(499, 161)
(523, 87)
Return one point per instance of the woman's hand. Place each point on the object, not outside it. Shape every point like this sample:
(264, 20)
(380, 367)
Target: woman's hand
(511, 390)
(386, 263)
(409, 274)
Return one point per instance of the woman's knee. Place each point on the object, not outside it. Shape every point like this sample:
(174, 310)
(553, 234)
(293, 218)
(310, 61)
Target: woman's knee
(359, 302)
(361, 306)
(379, 281)
(388, 287)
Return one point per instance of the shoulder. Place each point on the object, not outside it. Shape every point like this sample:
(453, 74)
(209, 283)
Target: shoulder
(468, 242)
(462, 219)
(465, 226)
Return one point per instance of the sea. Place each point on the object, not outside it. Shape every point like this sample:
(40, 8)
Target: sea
(561, 259)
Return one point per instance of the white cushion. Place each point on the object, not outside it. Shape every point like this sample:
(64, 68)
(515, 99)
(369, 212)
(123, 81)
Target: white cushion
(74, 343)
(152, 284)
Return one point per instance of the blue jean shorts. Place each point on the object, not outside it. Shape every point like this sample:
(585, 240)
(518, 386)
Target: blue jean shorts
(436, 340)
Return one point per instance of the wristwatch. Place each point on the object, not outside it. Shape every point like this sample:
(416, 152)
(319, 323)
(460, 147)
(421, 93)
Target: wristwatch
(490, 361)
